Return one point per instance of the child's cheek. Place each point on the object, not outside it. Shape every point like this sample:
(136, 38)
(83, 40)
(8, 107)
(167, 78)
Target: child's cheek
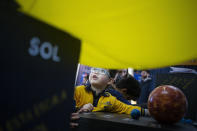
(104, 79)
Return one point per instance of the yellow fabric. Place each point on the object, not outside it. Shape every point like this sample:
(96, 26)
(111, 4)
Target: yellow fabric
(26, 5)
(82, 97)
(109, 104)
(124, 33)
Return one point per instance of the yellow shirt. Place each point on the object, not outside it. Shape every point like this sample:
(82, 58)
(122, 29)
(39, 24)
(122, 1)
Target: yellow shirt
(107, 103)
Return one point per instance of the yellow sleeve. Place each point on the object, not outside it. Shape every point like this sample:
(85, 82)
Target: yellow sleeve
(119, 107)
(77, 96)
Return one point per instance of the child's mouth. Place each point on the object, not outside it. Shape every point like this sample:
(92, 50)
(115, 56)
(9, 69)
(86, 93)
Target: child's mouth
(94, 77)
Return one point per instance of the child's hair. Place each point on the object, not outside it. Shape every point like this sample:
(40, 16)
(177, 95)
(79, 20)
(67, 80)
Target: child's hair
(148, 71)
(132, 86)
(112, 72)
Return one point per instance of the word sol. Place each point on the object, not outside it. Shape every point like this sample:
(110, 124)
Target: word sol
(46, 50)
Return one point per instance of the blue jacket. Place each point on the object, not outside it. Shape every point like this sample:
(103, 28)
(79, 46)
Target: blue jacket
(146, 88)
(118, 95)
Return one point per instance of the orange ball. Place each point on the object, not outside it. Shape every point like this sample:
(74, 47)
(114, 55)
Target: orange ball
(167, 104)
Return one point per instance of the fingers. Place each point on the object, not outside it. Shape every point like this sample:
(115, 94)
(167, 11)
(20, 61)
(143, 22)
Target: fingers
(86, 108)
(81, 110)
(75, 116)
(91, 107)
(73, 125)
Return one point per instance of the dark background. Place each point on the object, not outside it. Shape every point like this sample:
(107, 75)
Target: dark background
(187, 82)
(35, 94)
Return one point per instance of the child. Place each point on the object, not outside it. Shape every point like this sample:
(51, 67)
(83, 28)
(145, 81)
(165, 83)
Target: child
(95, 98)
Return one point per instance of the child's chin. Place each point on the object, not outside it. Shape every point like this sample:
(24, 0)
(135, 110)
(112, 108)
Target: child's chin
(95, 84)
(94, 81)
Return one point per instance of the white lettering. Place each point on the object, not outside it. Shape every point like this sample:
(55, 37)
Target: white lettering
(43, 50)
(55, 57)
(34, 49)
(46, 50)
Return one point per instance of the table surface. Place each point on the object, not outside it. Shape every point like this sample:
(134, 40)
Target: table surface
(144, 122)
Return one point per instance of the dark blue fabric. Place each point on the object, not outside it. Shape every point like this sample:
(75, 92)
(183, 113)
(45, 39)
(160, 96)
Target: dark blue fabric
(146, 88)
(118, 95)
(73, 106)
(96, 97)
(112, 91)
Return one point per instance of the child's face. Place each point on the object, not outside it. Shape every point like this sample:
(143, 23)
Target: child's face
(99, 77)
(144, 74)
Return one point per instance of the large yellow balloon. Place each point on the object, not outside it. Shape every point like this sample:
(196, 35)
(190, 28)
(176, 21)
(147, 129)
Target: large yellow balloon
(124, 33)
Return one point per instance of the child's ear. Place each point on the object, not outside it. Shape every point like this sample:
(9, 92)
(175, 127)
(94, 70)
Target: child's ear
(124, 90)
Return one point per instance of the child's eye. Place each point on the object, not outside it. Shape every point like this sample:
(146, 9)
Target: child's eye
(94, 70)
(102, 71)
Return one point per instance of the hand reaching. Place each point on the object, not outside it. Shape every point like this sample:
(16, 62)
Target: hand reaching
(86, 108)
(74, 117)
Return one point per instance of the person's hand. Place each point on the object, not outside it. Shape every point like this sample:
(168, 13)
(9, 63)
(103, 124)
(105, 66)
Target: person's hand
(86, 108)
(74, 117)
(146, 112)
